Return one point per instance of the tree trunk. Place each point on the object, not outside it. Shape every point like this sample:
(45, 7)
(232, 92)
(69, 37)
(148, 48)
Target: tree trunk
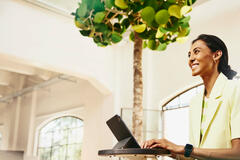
(137, 119)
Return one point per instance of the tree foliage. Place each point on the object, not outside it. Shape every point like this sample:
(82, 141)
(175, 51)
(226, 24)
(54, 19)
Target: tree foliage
(157, 22)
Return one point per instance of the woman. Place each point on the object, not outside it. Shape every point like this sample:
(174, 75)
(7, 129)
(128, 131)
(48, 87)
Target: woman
(214, 114)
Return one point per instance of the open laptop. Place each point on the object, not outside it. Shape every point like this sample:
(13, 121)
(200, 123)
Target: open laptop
(122, 133)
(127, 144)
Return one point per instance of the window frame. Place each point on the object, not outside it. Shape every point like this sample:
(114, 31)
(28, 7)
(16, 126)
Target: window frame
(52, 146)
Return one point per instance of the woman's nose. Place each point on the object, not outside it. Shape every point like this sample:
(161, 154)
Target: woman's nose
(191, 57)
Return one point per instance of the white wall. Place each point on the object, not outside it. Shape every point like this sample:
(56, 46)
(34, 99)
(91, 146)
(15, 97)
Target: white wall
(48, 40)
(63, 98)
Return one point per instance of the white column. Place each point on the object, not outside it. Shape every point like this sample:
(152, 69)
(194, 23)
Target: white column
(151, 115)
(31, 133)
(17, 114)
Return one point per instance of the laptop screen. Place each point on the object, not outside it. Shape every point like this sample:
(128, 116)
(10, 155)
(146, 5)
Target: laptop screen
(122, 133)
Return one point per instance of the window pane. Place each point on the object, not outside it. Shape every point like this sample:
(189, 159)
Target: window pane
(151, 122)
(45, 140)
(61, 139)
(176, 125)
(58, 153)
(175, 103)
(45, 153)
(186, 97)
(75, 135)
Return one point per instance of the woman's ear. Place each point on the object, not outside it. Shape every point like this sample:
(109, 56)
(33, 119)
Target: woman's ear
(217, 55)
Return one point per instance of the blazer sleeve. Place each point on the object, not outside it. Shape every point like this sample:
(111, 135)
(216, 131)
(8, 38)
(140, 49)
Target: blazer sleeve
(235, 112)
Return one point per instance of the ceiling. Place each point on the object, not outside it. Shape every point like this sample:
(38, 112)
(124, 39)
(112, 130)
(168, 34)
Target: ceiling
(16, 76)
(66, 7)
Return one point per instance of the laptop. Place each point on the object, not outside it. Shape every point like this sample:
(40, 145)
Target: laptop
(122, 133)
(127, 144)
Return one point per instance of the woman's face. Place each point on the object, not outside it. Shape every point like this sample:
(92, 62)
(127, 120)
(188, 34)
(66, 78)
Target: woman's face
(201, 59)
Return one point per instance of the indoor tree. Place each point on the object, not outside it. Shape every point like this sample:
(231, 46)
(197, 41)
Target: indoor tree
(154, 24)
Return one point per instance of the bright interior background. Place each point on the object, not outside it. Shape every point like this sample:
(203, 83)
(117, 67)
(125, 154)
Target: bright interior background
(45, 38)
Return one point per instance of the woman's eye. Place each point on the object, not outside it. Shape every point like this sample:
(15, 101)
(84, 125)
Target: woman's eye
(196, 51)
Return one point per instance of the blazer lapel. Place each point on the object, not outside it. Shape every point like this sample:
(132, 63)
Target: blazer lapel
(214, 102)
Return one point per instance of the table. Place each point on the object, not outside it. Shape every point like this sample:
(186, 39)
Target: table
(134, 152)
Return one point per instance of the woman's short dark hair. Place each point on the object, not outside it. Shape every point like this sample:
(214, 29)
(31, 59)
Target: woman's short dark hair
(214, 44)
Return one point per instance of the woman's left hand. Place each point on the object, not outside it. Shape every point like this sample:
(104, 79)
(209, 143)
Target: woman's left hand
(165, 144)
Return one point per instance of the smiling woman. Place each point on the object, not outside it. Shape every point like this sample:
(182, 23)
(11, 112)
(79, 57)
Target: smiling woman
(214, 115)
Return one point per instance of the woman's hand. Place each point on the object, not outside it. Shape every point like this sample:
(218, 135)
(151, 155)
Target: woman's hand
(165, 144)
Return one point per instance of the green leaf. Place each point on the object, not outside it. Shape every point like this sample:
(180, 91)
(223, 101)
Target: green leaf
(98, 6)
(185, 10)
(159, 34)
(109, 3)
(191, 2)
(135, 7)
(162, 16)
(116, 37)
(139, 28)
(152, 44)
(181, 39)
(80, 24)
(99, 17)
(144, 35)
(184, 25)
(119, 17)
(184, 32)
(82, 10)
(132, 36)
(147, 15)
(153, 3)
(88, 3)
(103, 28)
(162, 46)
(172, 27)
(171, 1)
(144, 44)
(121, 4)
(85, 32)
(102, 44)
(117, 27)
(185, 19)
(166, 5)
(163, 30)
(175, 10)
(92, 33)
(125, 23)
(151, 34)
(110, 15)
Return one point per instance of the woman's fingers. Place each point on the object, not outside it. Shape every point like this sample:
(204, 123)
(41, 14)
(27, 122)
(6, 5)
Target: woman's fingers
(165, 144)
(156, 146)
(149, 143)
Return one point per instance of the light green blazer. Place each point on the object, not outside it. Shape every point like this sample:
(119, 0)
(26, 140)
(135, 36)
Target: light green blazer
(222, 117)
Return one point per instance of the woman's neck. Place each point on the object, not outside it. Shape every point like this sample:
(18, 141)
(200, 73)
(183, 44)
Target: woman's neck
(209, 81)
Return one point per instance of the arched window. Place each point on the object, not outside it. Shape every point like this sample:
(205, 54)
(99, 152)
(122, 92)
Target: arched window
(175, 111)
(61, 139)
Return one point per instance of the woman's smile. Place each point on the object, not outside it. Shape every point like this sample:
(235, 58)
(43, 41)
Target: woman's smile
(200, 59)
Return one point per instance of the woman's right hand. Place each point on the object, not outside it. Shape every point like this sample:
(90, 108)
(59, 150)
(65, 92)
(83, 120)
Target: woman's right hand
(165, 144)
